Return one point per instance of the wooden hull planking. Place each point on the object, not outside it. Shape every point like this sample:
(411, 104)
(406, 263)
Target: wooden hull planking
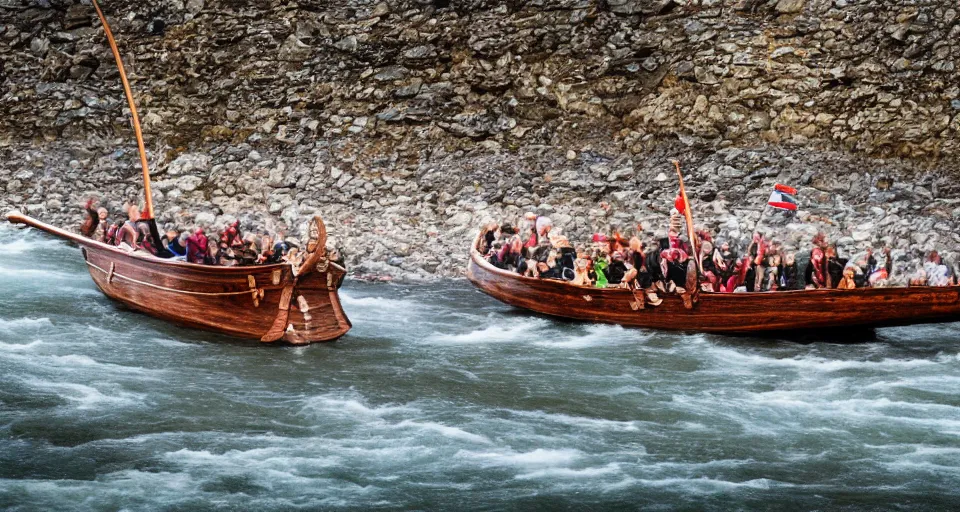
(720, 312)
(262, 302)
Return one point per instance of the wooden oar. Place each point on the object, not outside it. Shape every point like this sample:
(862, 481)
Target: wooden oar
(147, 194)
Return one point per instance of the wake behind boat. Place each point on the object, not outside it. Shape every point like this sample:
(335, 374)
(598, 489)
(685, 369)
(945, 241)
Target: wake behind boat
(266, 302)
(719, 312)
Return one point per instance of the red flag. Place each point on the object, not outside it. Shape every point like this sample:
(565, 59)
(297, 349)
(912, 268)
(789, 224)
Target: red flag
(785, 189)
(679, 204)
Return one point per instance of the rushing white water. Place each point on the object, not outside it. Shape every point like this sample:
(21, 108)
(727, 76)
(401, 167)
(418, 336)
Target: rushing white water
(441, 398)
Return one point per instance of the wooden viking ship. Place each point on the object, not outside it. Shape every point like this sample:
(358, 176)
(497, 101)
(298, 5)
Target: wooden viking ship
(266, 302)
(297, 304)
(717, 312)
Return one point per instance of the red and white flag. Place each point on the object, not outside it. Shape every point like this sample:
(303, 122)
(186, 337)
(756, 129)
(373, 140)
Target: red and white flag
(783, 198)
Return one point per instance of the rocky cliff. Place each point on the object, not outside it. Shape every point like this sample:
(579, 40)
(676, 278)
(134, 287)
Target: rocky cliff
(406, 122)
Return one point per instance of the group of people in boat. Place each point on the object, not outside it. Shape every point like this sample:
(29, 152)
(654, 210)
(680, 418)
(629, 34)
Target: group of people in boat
(229, 247)
(670, 263)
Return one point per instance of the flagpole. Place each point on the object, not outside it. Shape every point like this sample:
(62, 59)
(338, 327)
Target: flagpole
(756, 227)
(689, 216)
(147, 194)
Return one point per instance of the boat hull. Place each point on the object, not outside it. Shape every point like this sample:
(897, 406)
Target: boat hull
(721, 312)
(259, 302)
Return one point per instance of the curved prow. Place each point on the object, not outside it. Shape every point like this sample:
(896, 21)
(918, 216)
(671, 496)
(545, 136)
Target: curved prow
(315, 312)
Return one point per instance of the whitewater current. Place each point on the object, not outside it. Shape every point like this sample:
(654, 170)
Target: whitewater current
(441, 398)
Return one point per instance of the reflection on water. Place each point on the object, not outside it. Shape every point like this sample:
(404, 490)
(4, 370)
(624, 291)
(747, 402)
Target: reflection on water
(441, 398)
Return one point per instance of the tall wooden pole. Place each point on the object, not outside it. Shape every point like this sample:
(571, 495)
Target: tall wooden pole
(689, 216)
(147, 194)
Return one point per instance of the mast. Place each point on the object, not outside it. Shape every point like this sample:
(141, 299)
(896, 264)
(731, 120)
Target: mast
(147, 194)
(689, 217)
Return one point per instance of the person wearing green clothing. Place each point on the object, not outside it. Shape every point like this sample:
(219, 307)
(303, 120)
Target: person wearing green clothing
(600, 268)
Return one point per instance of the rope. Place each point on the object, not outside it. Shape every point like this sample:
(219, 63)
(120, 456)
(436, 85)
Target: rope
(164, 288)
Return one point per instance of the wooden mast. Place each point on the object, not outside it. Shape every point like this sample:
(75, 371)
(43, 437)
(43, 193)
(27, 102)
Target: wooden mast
(689, 217)
(147, 194)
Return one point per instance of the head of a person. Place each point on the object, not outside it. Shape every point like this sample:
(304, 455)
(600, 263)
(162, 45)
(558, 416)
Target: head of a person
(725, 247)
(934, 257)
(820, 240)
(508, 229)
(790, 259)
(102, 213)
(544, 225)
(707, 247)
(831, 252)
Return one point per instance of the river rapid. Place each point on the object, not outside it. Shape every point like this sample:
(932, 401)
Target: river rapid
(441, 398)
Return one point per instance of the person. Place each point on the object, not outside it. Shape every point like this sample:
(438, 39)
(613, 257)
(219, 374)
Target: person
(280, 250)
(197, 247)
(735, 279)
(493, 254)
(567, 258)
(549, 269)
(173, 241)
(530, 227)
(232, 238)
(600, 264)
(265, 249)
(770, 276)
(788, 273)
(937, 273)
(708, 259)
(835, 265)
(510, 253)
(250, 254)
(489, 235)
(544, 225)
(89, 226)
(110, 236)
(581, 273)
(127, 234)
(617, 269)
(145, 238)
(847, 281)
(815, 275)
(880, 275)
(676, 268)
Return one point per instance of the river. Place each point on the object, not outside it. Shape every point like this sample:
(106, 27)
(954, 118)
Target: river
(441, 398)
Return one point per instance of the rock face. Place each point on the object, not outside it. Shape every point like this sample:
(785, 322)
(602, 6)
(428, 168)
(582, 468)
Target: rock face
(405, 122)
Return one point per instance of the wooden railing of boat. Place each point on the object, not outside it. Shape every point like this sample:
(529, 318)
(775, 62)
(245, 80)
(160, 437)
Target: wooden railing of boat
(719, 312)
(265, 302)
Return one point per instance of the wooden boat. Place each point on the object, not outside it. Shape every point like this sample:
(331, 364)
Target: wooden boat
(270, 303)
(720, 312)
(265, 302)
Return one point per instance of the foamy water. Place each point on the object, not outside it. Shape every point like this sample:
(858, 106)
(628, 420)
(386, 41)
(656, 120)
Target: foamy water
(443, 399)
